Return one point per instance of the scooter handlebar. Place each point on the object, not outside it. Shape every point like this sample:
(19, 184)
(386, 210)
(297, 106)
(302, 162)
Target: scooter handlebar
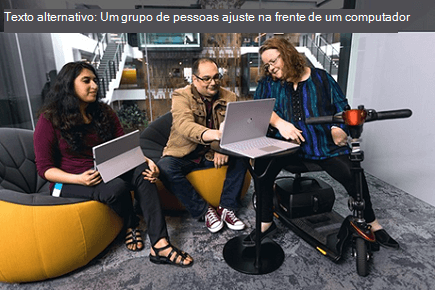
(385, 115)
(322, 120)
(338, 118)
(372, 115)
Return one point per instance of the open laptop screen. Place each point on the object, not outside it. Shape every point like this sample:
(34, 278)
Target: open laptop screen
(246, 120)
(118, 156)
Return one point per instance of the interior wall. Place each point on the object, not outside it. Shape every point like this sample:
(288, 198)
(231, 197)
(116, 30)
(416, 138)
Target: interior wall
(25, 61)
(65, 46)
(395, 71)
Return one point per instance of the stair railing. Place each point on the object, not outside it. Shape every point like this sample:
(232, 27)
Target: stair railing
(322, 57)
(99, 49)
(112, 68)
(329, 48)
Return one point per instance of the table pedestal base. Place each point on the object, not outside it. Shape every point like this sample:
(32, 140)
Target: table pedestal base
(243, 259)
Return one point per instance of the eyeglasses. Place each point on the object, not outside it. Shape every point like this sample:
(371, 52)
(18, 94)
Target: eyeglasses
(271, 62)
(217, 78)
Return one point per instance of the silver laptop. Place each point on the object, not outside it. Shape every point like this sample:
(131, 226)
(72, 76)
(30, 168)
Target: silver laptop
(118, 156)
(245, 129)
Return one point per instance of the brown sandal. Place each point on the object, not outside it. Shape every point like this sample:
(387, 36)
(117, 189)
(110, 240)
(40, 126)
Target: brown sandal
(134, 237)
(172, 257)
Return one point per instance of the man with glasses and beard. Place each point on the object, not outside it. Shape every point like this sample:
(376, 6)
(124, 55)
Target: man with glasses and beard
(198, 111)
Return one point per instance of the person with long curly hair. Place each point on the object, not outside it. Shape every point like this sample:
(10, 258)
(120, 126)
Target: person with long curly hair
(71, 122)
(302, 92)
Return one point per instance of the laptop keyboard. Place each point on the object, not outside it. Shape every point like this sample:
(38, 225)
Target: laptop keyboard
(251, 144)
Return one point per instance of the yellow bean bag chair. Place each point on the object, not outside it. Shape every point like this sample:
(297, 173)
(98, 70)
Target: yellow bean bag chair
(42, 236)
(207, 182)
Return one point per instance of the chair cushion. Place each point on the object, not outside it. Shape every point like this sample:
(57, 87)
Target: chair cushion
(17, 162)
(200, 180)
(46, 241)
(211, 191)
(303, 167)
(44, 236)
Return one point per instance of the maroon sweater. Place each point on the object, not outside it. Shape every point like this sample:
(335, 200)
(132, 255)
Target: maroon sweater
(53, 151)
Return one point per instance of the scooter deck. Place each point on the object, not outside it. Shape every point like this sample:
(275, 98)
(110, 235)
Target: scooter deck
(319, 230)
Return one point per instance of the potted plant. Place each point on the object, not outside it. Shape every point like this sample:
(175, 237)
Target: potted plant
(131, 117)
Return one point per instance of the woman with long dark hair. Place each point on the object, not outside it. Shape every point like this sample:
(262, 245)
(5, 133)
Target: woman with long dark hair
(302, 92)
(72, 121)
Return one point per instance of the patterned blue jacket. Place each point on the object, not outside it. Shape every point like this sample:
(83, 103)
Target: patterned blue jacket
(319, 95)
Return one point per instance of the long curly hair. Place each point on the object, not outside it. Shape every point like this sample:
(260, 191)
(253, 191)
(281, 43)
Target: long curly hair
(62, 108)
(294, 62)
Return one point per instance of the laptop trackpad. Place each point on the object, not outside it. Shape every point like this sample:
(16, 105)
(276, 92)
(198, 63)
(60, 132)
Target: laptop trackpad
(270, 148)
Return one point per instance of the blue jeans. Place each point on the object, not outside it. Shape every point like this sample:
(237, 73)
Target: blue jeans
(173, 173)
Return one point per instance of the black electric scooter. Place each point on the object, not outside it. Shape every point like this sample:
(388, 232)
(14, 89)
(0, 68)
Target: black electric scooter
(329, 232)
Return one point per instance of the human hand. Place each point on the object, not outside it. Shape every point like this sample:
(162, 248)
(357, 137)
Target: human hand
(290, 132)
(339, 136)
(221, 126)
(211, 135)
(90, 177)
(220, 159)
(152, 173)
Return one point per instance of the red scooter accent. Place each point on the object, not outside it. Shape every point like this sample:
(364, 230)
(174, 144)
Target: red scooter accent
(368, 236)
(354, 117)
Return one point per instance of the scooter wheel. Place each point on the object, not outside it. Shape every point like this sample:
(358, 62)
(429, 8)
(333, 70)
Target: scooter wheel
(362, 257)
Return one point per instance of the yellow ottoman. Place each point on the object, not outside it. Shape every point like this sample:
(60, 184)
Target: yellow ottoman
(46, 241)
(42, 236)
(207, 182)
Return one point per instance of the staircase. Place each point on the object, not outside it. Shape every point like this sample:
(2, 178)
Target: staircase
(109, 61)
(321, 54)
(109, 66)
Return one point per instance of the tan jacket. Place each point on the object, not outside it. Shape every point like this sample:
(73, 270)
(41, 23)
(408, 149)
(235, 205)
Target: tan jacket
(189, 120)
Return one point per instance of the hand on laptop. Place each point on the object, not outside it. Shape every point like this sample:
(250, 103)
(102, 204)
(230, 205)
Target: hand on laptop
(152, 173)
(290, 132)
(211, 135)
(90, 177)
(221, 126)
